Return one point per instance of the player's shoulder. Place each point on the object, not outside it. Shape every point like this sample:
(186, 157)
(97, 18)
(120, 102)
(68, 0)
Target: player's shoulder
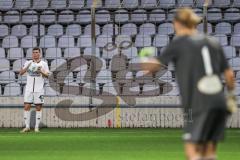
(44, 62)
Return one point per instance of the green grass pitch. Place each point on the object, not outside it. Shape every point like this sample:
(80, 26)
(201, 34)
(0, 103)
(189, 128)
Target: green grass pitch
(104, 144)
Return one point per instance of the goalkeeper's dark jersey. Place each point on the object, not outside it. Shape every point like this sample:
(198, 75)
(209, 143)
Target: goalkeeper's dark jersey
(185, 53)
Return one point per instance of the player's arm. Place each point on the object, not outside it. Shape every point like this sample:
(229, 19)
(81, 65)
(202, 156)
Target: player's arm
(25, 68)
(44, 70)
(230, 79)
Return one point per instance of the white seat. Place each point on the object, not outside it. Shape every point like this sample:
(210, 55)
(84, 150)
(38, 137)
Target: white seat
(88, 31)
(10, 42)
(108, 29)
(143, 41)
(72, 52)
(230, 51)
(222, 39)
(165, 28)
(12, 17)
(102, 16)
(19, 30)
(7, 77)
(89, 3)
(209, 27)
(171, 89)
(223, 28)
(48, 17)
(129, 29)
(55, 30)
(130, 52)
(34, 30)
(75, 4)
(104, 76)
(53, 53)
(147, 29)
(139, 15)
(4, 31)
(58, 4)
(40, 4)
(130, 4)
(121, 16)
(6, 4)
(18, 64)
(15, 53)
(123, 41)
(84, 16)
(66, 16)
(4, 65)
(88, 51)
(161, 40)
(30, 17)
(103, 40)
(73, 30)
(22, 4)
(28, 42)
(66, 41)
(12, 89)
(235, 63)
(2, 53)
(47, 42)
(56, 63)
(84, 41)
(151, 89)
(149, 3)
(235, 39)
(112, 3)
(157, 15)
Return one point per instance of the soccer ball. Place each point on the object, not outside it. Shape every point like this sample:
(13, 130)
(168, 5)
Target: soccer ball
(33, 67)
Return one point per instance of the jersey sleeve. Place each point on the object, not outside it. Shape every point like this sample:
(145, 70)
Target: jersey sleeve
(26, 64)
(45, 67)
(168, 55)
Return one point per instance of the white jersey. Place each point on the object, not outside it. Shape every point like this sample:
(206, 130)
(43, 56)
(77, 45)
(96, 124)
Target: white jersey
(35, 80)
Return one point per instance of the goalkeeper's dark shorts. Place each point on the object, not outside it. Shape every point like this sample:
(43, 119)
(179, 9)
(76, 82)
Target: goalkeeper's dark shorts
(207, 126)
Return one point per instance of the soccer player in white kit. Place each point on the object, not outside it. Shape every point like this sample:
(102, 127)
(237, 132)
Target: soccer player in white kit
(36, 70)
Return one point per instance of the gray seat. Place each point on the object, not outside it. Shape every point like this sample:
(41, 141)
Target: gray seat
(129, 29)
(56, 63)
(222, 39)
(2, 53)
(47, 42)
(89, 3)
(223, 28)
(108, 89)
(12, 89)
(7, 77)
(88, 51)
(73, 30)
(4, 65)
(18, 64)
(235, 39)
(165, 28)
(34, 30)
(185, 3)
(84, 17)
(149, 3)
(4, 30)
(147, 29)
(53, 53)
(15, 53)
(88, 31)
(12, 17)
(151, 89)
(30, 17)
(171, 89)
(157, 15)
(22, 4)
(232, 14)
(209, 26)
(214, 14)
(222, 3)
(52, 91)
(28, 42)
(6, 4)
(131, 89)
(198, 11)
(102, 40)
(143, 41)
(108, 29)
(113, 3)
(109, 54)
(236, 3)
(19, 30)
(130, 52)
(130, 4)
(166, 77)
(235, 63)
(199, 3)
(58, 4)
(121, 16)
(66, 16)
(72, 52)
(171, 14)
(75, 4)
(230, 52)
(237, 28)
(48, 17)
(61, 77)
(40, 4)
(84, 41)
(123, 41)
(104, 76)
(10, 42)
(55, 30)
(141, 77)
(160, 40)
(66, 41)
(139, 15)
(102, 16)
(167, 3)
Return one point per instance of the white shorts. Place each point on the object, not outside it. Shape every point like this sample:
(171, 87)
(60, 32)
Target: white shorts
(34, 97)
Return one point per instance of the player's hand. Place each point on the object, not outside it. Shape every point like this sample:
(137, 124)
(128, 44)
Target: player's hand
(150, 65)
(28, 65)
(39, 70)
(231, 102)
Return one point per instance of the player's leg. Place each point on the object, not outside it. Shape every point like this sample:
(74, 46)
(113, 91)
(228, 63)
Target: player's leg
(192, 151)
(209, 152)
(28, 100)
(38, 116)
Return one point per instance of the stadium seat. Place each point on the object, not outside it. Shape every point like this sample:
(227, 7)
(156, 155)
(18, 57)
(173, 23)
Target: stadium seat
(171, 89)
(75, 4)
(6, 4)
(10, 42)
(40, 4)
(232, 14)
(165, 28)
(81, 74)
(72, 52)
(222, 38)
(28, 42)
(185, 3)
(118, 63)
(66, 80)
(236, 3)
(84, 16)
(151, 89)
(88, 52)
(4, 64)
(143, 41)
(73, 30)
(19, 30)
(89, 3)
(124, 77)
(130, 52)
(22, 4)
(214, 15)
(84, 41)
(52, 91)
(149, 3)
(198, 11)
(58, 4)
(7, 77)
(170, 14)
(131, 89)
(167, 3)
(102, 16)
(34, 30)
(235, 63)
(109, 54)
(88, 31)
(108, 29)
(103, 40)
(12, 89)
(55, 30)
(2, 53)
(11, 17)
(48, 17)
(112, 3)
(147, 29)
(157, 15)
(109, 88)
(199, 3)
(121, 16)
(15, 53)
(30, 17)
(166, 77)
(104, 76)
(129, 29)
(47, 42)
(66, 41)
(209, 26)
(18, 64)
(53, 53)
(142, 78)
(57, 63)
(130, 4)
(221, 3)
(123, 41)
(236, 28)
(235, 39)
(4, 30)
(223, 28)
(160, 40)
(230, 51)
(66, 16)
(139, 15)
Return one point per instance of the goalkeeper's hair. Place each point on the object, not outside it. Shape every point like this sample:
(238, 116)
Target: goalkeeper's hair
(37, 48)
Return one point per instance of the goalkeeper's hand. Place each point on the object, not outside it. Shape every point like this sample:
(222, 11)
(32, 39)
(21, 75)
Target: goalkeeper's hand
(231, 102)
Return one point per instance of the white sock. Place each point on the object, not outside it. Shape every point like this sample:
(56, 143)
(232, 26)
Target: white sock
(214, 157)
(38, 118)
(26, 117)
